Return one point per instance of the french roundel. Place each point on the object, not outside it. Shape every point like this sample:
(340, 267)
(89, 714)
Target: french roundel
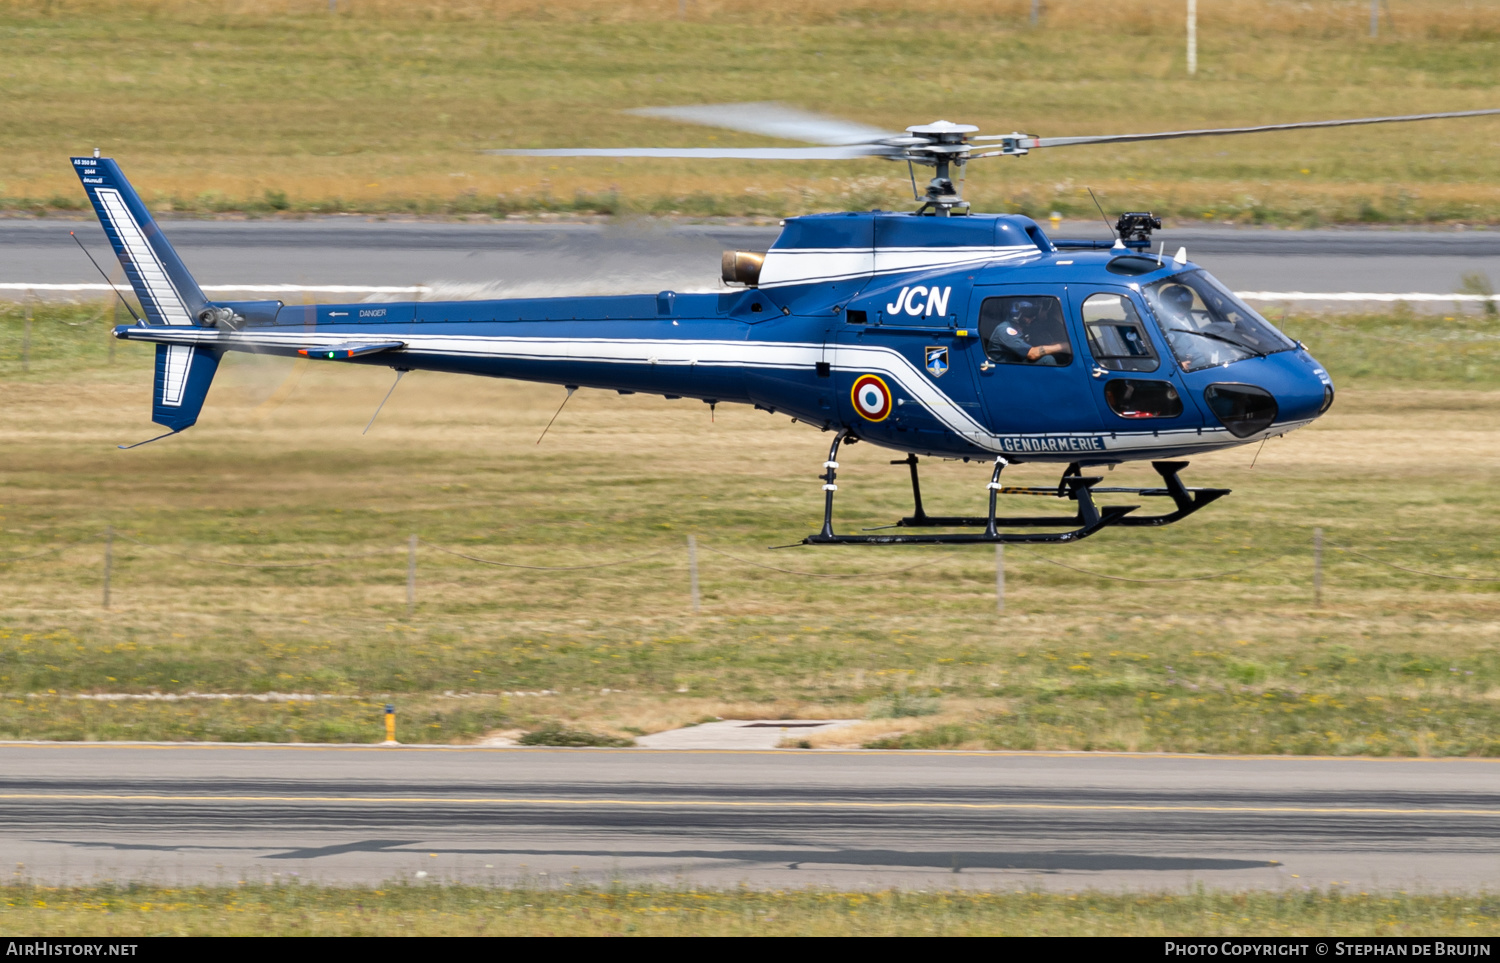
(872, 399)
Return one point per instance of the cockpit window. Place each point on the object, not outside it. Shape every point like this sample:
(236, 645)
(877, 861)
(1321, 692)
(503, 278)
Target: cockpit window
(1025, 330)
(1207, 325)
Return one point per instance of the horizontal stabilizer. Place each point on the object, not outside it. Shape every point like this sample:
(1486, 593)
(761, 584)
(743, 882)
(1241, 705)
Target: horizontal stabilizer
(352, 349)
(263, 340)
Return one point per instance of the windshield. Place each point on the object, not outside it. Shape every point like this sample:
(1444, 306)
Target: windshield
(1207, 325)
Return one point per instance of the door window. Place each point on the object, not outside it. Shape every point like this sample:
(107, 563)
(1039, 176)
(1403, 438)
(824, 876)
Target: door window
(1025, 330)
(1117, 338)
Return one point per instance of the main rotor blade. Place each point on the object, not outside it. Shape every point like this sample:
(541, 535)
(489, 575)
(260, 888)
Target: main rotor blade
(1033, 142)
(771, 119)
(729, 153)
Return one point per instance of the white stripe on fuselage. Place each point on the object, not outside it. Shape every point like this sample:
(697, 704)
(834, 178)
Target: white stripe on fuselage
(805, 265)
(720, 354)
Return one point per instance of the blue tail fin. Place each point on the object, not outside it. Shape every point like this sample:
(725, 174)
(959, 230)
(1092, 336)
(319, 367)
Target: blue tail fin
(167, 292)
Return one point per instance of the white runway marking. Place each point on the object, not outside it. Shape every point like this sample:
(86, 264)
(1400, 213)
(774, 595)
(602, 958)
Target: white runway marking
(1359, 296)
(249, 288)
(1333, 296)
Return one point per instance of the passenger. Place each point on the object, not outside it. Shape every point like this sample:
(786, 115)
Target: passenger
(1014, 340)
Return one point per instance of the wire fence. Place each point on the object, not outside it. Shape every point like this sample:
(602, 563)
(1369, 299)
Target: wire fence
(261, 565)
(43, 552)
(788, 571)
(1127, 578)
(544, 568)
(1413, 571)
(414, 543)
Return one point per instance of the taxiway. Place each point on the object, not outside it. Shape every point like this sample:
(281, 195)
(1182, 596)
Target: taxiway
(191, 813)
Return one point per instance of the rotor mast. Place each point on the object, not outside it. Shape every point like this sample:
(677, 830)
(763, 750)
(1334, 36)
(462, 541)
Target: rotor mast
(940, 145)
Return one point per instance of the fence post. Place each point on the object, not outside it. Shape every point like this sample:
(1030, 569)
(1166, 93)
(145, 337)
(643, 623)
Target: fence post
(109, 559)
(1036, 12)
(1192, 37)
(999, 577)
(411, 573)
(26, 338)
(693, 574)
(1317, 568)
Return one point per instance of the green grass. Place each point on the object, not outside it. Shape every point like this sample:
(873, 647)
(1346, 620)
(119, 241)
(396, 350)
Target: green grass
(463, 910)
(1403, 470)
(278, 108)
(1404, 348)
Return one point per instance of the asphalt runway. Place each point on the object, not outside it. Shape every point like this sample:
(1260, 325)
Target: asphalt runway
(182, 814)
(527, 259)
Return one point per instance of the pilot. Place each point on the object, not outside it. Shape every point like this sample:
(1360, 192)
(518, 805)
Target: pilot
(1013, 340)
(1176, 302)
(1181, 323)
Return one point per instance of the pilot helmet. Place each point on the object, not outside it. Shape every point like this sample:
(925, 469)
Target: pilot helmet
(1024, 310)
(1177, 297)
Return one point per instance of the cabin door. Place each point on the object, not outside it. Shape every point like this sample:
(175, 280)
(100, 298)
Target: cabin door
(1033, 374)
(1136, 387)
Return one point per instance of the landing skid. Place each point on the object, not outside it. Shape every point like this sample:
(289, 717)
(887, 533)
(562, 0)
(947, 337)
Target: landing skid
(1074, 485)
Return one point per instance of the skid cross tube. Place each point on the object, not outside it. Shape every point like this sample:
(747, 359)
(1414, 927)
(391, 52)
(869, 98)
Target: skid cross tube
(1073, 487)
(1187, 500)
(994, 489)
(1088, 519)
(830, 474)
(916, 485)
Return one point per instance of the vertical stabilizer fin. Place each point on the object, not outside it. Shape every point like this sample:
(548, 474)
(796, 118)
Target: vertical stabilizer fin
(183, 375)
(167, 292)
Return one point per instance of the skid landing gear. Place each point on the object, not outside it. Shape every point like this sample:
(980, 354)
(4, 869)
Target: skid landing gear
(1074, 486)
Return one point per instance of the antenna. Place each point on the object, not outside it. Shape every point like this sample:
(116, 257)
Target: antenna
(106, 276)
(149, 440)
(399, 373)
(571, 389)
(1102, 214)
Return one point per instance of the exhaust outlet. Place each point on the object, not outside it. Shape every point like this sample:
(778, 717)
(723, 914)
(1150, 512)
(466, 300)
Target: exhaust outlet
(743, 267)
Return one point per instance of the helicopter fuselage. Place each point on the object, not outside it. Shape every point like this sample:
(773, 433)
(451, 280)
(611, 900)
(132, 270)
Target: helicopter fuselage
(889, 327)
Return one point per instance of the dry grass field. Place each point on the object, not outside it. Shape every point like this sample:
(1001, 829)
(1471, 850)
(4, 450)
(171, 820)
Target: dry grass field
(437, 910)
(263, 107)
(1402, 470)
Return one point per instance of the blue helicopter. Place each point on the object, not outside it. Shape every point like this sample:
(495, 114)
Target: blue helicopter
(940, 332)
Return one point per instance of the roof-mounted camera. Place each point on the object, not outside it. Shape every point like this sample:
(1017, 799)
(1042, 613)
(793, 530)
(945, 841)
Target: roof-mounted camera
(1137, 226)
